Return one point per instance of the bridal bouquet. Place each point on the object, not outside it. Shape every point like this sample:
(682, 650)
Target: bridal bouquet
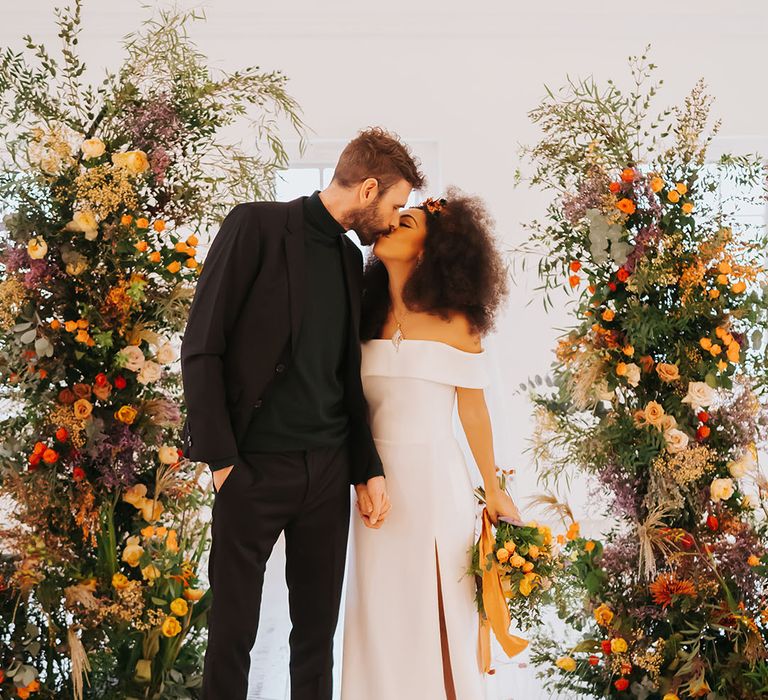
(513, 565)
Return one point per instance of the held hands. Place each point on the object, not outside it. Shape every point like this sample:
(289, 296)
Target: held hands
(373, 502)
(499, 503)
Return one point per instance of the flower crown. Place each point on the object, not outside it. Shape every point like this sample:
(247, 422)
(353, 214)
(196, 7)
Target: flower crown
(433, 206)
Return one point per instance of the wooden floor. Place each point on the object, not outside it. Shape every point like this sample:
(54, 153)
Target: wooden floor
(269, 657)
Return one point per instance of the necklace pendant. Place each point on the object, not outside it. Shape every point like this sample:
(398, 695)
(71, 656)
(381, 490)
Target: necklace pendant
(397, 338)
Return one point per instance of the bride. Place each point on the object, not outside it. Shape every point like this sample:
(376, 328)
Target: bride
(431, 292)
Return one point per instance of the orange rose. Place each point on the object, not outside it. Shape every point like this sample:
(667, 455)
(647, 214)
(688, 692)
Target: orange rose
(126, 414)
(173, 267)
(628, 174)
(657, 184)
(83, 408)
(673, 196)
(159, 225)
(667, 372)
(142, 222)
(626, 205)
(141, 246)
(126, 219)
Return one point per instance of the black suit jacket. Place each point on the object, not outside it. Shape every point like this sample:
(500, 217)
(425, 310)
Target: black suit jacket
(242, 329)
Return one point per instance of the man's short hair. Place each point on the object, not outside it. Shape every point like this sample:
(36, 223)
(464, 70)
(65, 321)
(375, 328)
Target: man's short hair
(378, 154)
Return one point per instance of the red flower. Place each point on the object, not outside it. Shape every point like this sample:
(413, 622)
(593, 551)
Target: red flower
(62, 434)
(593, 660)
(703, 433)
(78, 473)
(34, 461)
(40, 447)
(703, 416)
(606, 646)
(50, 456)
(712, 523)
(614, 187)
(120, 382)
(622, 275)
(621, 684)
(686, 540)
(575, 266)
(101, 379)
(612, 286)
(574, 280)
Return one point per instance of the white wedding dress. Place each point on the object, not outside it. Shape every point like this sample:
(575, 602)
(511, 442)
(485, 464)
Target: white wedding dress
(392, 640)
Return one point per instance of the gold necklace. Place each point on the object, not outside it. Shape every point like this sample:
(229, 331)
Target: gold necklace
(398, 336)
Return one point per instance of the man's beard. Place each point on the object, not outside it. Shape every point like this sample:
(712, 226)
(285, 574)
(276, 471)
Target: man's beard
(365, 223)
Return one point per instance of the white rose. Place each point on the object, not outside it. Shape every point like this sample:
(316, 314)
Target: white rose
(700, 395)
(744, 465)
(92, 148)
(85, 222)
(667, 422)
(134, 357)
(149, 372)
(166, 354)
(633, 374)
(721, 489)
(676, 440)
(168, 454)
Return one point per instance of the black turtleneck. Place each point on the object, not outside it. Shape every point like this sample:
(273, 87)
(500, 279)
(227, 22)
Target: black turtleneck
(305, 407)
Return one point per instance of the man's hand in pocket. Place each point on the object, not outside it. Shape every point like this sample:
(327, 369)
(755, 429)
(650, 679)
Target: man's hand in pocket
(220, 476)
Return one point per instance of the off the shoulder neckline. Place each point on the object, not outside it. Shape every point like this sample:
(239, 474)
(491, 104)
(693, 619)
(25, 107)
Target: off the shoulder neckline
(419, 340)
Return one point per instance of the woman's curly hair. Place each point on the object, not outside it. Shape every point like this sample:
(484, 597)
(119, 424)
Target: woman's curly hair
(461, 270)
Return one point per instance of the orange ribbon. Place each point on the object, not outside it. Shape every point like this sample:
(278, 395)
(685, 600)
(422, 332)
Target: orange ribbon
(496, 610)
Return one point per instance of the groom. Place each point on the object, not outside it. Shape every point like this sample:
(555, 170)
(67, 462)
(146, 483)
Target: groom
(271, 370)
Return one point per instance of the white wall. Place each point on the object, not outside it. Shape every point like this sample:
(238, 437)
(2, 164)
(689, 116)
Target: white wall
(464, 75)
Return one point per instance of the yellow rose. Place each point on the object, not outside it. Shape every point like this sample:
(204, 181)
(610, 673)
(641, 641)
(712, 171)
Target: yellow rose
(510, 546)
(135, 162)
(171, 542)
(516, 561)
(150, 572)
(126, 414)
(37, 248)
(161, 531)
(724, 267)
(135, 495)
(753, 560)
(193, 594)
(687, 207)
(144, 669)
(714, 294)
(132, 551)
(621, 369)
(603, 615)
(92, 148)
(667, 372)
(671, 696)
(151, 510)
(179, 607)
(173, 267)
(733, 352)
(673, 196)
(148, 531)
(533, 552)
(119, 581)
(171, 627)
(618, 645)
(82, 408)
(681, 187)
(566, 663)
(657, 184)
(654, 413)
(546, 533)
(527, 567)
(502, 555)
(191, 263)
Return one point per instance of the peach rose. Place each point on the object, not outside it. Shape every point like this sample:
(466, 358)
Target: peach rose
(667, 372)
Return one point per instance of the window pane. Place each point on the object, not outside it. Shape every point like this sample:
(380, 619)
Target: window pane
(296, 182)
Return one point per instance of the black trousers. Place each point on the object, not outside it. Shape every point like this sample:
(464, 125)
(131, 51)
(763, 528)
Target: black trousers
(304, 493)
